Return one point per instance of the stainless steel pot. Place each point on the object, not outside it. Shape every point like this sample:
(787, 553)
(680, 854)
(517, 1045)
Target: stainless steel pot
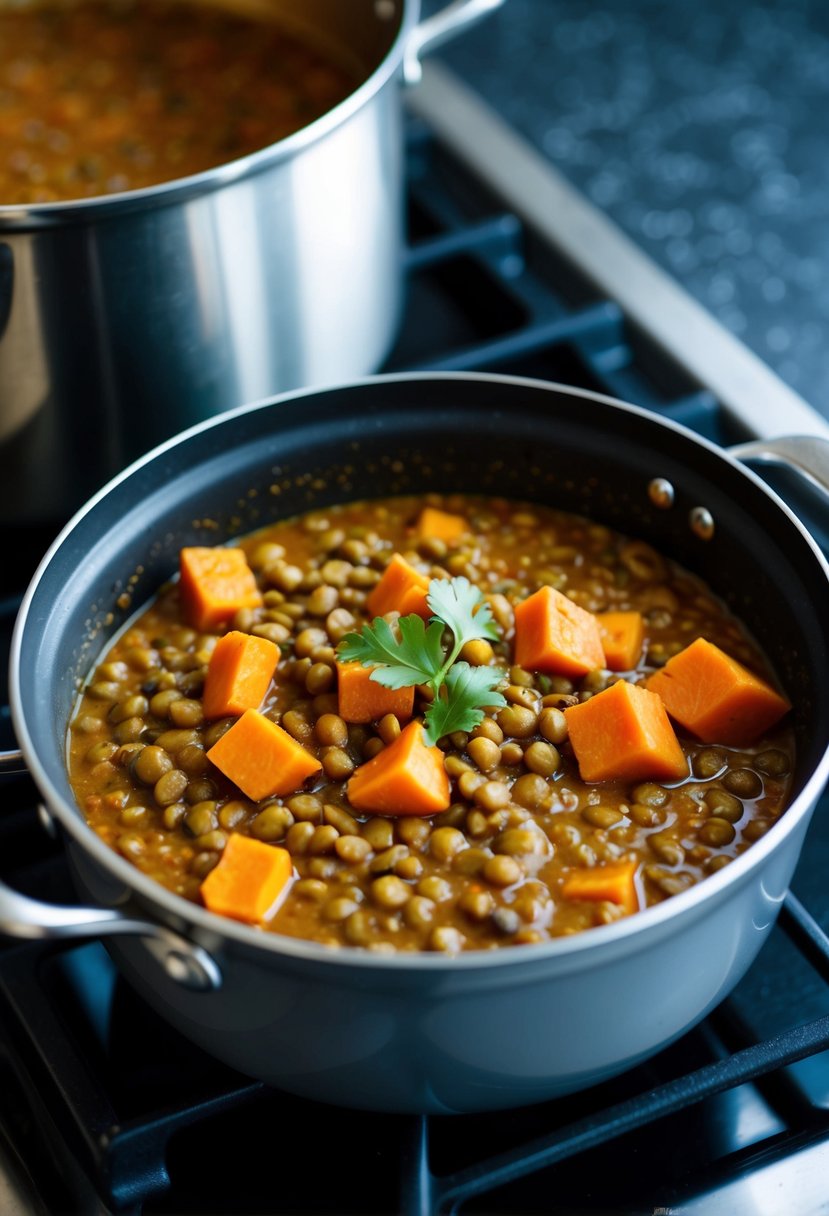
(426, 1033)
(126, 318)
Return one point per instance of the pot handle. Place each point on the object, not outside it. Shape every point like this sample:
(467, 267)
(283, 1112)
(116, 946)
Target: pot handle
(438, 29)
(12, 762)
(183, 961)
(806, 455)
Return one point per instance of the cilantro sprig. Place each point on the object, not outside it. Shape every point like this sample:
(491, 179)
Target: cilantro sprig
(421, 654)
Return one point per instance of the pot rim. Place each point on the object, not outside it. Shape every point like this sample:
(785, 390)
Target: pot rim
(171, 908)
(23, 216)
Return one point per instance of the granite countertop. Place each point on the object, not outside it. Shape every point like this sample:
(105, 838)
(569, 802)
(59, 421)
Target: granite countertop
(700, 127)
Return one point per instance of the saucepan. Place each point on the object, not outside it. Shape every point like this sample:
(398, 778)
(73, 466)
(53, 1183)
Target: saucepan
(482, 1030)
(127, 317)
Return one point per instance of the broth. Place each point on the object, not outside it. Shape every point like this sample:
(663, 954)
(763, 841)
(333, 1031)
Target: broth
(510, 856)
(103, 96)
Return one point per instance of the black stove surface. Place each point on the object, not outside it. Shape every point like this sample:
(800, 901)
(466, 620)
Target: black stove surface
(104, 1109)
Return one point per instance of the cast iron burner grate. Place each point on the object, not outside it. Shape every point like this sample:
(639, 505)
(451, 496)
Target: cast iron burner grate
(485, 303)
(105, 1109)
(108, 1105)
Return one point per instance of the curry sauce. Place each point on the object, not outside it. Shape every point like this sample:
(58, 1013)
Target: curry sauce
(103, 96)
(522, 847)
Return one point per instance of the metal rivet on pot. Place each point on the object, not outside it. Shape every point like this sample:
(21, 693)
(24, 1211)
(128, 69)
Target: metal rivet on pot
(186, 971)
(185, 962)
(661, 493)
(702, 523)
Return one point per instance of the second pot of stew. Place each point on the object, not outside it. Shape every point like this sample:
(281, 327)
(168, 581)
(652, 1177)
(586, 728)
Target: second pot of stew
(203, 208)
(488, 897)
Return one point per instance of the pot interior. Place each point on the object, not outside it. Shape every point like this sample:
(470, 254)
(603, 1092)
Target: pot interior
(478, 434)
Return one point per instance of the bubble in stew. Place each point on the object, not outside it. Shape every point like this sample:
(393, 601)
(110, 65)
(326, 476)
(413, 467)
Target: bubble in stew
(102, 96)
(443, 724)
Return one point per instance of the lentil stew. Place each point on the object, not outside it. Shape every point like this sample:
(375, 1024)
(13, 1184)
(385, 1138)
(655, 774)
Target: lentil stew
(103, 96)
(523, 848)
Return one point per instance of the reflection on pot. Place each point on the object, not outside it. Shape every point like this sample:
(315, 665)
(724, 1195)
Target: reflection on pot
(23, 370)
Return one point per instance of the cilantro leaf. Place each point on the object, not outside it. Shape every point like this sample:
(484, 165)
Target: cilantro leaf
(460, 705)
(413, 659)
(424, 654)
(461, 606)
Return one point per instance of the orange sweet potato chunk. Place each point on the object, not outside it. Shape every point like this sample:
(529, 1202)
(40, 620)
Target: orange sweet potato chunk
(400, 589)
(361, 699)
(441, 525)
(716, 698)
(214, 583)
(238, 674)
(261, 758)
(554, 634)
(248, 880)
(624, 733)
(623, 636)
(614, 881)
(405, 778)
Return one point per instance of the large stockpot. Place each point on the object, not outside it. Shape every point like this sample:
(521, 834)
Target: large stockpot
(484, 1030)
(126, 318)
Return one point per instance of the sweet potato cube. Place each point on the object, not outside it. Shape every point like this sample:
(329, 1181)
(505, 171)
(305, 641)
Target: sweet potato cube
(614, 881)
(553, 634)
(401, 589)
(248, 880)
(405, 778)
(214, 583)
(624, 733)
(361, 699)
(261, 758)
(238, 674)
(716, 698)
(623, 636)
(442, 525)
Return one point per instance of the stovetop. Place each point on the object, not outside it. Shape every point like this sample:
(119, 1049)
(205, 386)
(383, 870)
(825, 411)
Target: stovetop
(106, 1110)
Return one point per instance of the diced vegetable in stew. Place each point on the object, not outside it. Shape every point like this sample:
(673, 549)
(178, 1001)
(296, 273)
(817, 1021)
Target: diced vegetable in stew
(238, 674)
(248, 880)
(439, 723)
(407, 777)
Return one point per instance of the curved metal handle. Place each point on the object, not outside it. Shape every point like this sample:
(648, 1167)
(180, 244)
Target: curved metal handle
(438, 29)
(12, 762)
(11, 758)
(183, 961)
(806, 455)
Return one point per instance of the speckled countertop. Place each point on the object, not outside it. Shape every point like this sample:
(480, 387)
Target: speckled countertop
(701, 127)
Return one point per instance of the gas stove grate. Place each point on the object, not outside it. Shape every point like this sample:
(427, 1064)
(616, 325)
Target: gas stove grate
(488, 301)
(124, 1115)
(424, 1191)
(572, 245)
